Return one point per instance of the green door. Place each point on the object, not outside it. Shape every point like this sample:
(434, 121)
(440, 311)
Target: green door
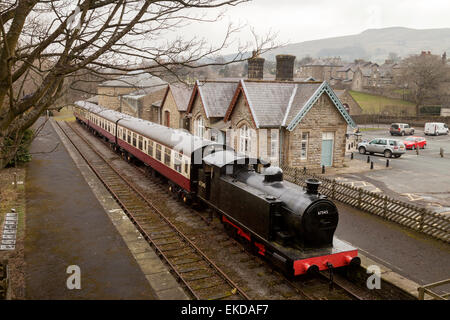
(327, 149)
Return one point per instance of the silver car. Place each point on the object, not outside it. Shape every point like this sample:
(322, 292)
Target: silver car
(387, 147)
(401, 129)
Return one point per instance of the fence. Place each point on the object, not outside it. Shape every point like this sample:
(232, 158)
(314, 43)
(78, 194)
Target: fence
(426, 290)
(403, 213)
(412, 120)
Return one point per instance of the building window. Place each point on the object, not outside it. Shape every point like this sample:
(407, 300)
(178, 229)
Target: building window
(273, 144)
(199, 127)
(244, 139)
(304, 146)
(167, 118)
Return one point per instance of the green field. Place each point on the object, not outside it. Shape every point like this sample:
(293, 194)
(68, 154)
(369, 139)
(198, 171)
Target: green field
(373, 104)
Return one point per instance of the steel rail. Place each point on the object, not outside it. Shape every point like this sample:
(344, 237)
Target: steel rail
(161, 215)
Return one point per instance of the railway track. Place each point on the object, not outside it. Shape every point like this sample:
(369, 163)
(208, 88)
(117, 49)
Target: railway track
(312, 287)
(199, 275)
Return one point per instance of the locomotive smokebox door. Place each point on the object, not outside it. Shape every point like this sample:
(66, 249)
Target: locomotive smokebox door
(204, 181)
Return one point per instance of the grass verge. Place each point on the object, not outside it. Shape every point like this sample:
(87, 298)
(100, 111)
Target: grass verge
(12, 196)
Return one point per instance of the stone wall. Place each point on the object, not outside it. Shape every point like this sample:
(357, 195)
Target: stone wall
(109, 97)
(323, 117)
(241, 116)
(171, 106)
(198, 109)
(148, 112)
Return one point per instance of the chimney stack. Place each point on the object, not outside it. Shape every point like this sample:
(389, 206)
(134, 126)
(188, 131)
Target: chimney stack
(255, 67)
(285, 67)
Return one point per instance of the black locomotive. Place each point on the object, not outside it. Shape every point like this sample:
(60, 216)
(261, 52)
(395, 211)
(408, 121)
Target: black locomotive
(288, 225)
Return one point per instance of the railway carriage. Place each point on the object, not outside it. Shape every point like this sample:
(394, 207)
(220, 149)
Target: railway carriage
(291, 226)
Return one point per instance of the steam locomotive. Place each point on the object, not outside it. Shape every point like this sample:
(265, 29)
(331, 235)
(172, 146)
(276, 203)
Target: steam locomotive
(290, 226)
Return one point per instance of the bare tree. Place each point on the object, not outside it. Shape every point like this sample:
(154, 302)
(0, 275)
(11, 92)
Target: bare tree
(423, 74)
(46, 42)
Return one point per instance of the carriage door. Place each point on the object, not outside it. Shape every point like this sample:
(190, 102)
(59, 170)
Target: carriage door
(327, 149)
(204, 182)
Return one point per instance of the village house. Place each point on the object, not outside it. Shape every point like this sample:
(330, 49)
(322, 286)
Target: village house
(298, 124)
(323, 69)
(207, 107)
(174, 106)
(137, 93)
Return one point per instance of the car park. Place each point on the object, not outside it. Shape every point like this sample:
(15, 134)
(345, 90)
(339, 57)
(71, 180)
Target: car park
(415, 142)
(435, 128)
(401, 129)
(387, 147)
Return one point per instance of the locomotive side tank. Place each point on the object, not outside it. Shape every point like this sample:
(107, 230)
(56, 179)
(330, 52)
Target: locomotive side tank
(308, 217)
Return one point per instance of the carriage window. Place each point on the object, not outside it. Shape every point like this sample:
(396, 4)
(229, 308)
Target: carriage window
(145, 145)
(140, 146)
(158, 152)
(134, 140)
(177, 162)
(129, 136)
(150, 148)
(186, 168)
(167, 152)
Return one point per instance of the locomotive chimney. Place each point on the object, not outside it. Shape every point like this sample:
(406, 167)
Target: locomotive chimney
(285, 67)
(255, 66)
(312, 186)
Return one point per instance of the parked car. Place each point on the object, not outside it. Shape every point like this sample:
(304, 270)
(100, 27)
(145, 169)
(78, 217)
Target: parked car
(387, 147)
(435, 128)
(401, 129)
(415, 142)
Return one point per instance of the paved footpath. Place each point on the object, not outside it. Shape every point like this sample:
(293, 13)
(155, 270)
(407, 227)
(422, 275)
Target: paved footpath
(66, 225)
(410, 254)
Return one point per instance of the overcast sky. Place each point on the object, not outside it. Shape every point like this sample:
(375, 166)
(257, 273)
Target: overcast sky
(302, 20)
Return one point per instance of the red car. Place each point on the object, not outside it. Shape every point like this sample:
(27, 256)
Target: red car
(415, 142)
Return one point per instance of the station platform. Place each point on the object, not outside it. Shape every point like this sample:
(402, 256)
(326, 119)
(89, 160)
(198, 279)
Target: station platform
(65, 226)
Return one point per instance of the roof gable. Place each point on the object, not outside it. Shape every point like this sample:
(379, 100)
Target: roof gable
(324, 88)
(215, 97)
(181, 95)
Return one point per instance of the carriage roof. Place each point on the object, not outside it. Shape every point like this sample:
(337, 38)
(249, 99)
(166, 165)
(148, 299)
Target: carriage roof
(176, 139)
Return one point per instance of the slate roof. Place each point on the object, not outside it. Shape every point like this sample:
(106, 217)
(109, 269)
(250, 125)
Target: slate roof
(304, 92)
(140, 93)
(216, 96)
(275, 104)
(268, 101)
(181, 94)
(136, 80)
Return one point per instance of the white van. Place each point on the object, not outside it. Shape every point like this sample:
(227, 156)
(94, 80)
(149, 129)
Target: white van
(435, 128)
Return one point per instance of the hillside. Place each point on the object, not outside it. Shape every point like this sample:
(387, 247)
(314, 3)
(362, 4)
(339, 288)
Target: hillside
(372, 44)
(373, 104)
